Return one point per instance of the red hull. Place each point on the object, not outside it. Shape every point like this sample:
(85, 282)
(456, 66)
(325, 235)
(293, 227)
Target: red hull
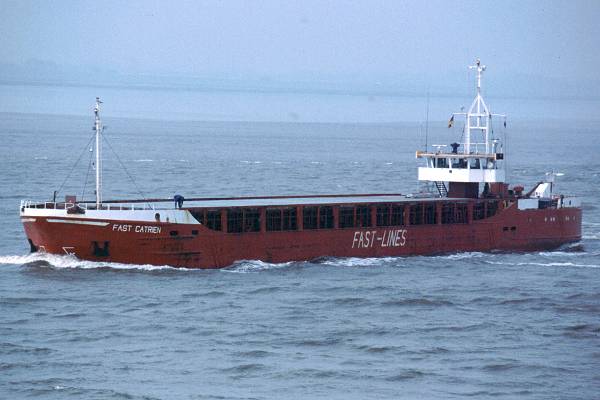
(195, 246)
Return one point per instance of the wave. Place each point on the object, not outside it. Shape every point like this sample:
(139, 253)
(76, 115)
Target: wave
(418, 302)
(10, 348)
(41, 259)
(525, 301)
(369, 261)
(544, 264)
(379, 349)
(353, 261)
(252, 266)
(254, 354)
(465, 255)
(71, 262)
(55, 261)
(560, 253)
(266, 290)
(406, 375)
(500, 366)
(560, 264)
(244, 368)
(583, 328)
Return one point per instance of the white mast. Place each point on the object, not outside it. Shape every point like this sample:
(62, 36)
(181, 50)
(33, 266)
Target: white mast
(478, 113)
(98, 129)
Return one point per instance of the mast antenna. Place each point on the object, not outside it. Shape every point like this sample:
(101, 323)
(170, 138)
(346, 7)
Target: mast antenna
(478, 119)
(98, 129)
(480, 68)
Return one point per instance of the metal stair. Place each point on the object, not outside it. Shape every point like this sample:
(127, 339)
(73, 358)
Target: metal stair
(441, 187)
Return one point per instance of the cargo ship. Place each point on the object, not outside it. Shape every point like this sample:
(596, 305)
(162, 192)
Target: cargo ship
(470, 208)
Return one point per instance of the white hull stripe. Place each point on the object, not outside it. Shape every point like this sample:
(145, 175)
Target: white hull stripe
(27, 219)
(78, 222)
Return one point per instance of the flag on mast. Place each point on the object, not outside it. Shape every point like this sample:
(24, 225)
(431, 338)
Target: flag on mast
(451, 121)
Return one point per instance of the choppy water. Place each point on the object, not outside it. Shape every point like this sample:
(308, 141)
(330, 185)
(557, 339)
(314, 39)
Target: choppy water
(467, 325)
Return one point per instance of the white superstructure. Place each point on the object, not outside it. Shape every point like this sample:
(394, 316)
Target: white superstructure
(478, 158)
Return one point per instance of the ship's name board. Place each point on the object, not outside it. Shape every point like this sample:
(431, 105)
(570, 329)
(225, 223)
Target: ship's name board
(387, 238)
(136, 228)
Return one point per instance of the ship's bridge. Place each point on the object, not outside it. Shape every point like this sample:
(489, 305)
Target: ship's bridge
(454, 167)
(477, 159)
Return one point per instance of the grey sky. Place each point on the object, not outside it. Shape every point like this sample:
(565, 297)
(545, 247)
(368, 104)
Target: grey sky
(366, 40)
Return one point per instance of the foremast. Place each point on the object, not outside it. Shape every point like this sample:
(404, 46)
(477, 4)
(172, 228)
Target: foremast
(481, 158)
(98, 129)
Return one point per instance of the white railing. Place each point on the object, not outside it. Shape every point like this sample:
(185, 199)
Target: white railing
(84, 206)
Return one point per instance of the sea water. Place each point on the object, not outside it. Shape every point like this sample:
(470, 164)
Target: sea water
(465, 325)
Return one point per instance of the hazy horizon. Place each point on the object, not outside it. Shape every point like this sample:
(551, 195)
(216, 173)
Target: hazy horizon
(409, 48)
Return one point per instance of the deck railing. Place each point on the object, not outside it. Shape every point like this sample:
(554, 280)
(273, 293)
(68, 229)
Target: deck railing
(51, 205)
